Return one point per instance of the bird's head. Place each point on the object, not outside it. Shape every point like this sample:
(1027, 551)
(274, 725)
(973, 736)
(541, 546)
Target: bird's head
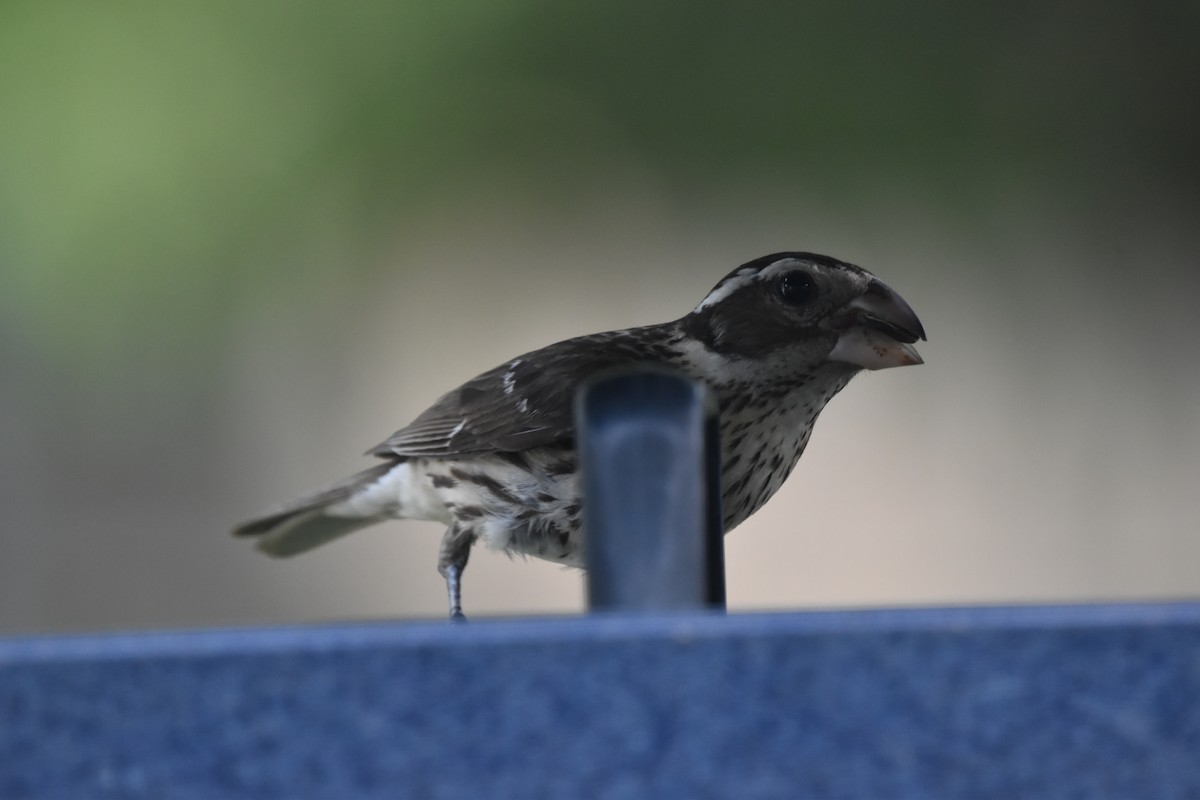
(809, 309)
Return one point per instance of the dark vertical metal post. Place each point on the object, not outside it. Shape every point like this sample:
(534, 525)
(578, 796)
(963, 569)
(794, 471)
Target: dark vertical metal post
(651, 492)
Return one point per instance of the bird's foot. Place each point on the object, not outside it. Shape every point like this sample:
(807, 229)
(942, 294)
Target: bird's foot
(453, 573)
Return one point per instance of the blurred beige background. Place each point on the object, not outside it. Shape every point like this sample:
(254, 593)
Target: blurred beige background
(241, 243)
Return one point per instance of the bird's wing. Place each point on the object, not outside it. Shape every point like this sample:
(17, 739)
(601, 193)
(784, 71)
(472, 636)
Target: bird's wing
(523, 403)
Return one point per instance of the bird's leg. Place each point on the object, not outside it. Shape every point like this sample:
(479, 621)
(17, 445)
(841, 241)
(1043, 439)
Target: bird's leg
(452, 560)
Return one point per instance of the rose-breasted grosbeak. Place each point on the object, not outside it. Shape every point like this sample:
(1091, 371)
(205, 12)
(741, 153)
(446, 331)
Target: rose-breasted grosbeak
(495, 459)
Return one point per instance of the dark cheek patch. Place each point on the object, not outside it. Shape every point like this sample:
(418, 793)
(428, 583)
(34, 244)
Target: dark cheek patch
(753, 332)
(754, 322)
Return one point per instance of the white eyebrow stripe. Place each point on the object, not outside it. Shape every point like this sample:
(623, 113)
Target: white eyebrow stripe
(782, 265)
(743, 278)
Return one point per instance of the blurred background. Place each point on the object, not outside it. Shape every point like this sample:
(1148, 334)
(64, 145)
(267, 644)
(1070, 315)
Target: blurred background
(242, 243)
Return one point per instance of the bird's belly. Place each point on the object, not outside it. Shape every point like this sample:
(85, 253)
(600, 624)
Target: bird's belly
(523, 503)
(529, 503)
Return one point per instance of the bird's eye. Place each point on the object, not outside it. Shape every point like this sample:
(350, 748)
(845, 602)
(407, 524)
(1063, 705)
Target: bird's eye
(797, 288)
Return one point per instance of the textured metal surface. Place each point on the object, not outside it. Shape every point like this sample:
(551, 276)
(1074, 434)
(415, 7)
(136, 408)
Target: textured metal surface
(648, 443)
(1095, 702)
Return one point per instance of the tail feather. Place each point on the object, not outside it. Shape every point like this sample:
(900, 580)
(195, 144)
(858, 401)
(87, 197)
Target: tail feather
(304, 524)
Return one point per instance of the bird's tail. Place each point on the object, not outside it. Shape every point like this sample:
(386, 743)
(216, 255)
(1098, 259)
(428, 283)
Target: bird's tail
(321, 516)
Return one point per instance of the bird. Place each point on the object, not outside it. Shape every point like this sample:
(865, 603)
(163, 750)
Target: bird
(495, 459)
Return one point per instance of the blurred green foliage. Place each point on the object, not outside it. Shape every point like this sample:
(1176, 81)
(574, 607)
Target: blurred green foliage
(151, 154)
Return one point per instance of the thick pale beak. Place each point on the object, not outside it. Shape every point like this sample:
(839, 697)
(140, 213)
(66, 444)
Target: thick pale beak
(876, 330)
